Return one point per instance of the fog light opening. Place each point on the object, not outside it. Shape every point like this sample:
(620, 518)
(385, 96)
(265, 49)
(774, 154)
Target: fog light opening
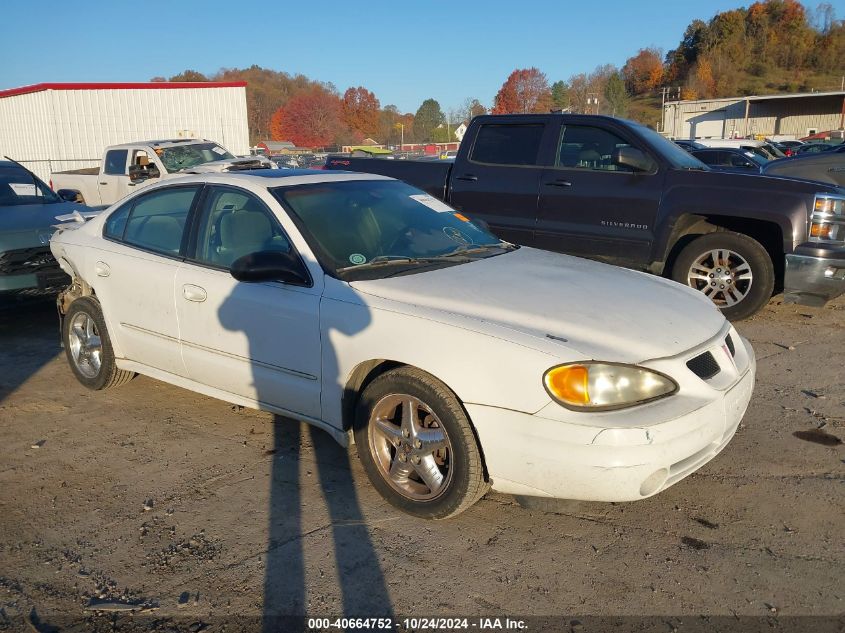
(654, 482)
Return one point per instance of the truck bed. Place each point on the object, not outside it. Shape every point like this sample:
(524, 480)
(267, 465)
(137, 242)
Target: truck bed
(430, 176)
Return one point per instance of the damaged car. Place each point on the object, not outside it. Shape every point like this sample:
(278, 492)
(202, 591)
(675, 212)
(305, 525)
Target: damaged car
(455, 361)
(28, 211)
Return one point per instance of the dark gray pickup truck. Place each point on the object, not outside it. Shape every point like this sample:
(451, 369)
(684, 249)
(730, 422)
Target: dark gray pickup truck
(615, 191)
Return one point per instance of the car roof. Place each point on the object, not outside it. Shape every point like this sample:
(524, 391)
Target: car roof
(278, 177)
(161, 143)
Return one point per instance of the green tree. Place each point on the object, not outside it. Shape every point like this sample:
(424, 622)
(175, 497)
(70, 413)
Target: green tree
(427, 118)
(560, 95)
(615, 95)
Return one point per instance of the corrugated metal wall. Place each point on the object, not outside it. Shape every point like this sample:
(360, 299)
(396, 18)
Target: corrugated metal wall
(68, 129)
(767, 117)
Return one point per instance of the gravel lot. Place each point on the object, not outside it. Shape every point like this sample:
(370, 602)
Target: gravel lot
(205, 517)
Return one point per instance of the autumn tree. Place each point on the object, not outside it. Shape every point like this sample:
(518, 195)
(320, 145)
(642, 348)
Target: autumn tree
(644, 71)
(361, 111)
(189, 75)
(525, 90)
(311, 118)
(428, 117)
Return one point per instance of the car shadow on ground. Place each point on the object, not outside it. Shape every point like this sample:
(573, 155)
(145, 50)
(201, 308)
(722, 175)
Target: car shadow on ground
(29, 338)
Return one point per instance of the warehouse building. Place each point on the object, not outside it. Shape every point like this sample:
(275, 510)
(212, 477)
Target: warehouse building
(786, 116)
(57, 126)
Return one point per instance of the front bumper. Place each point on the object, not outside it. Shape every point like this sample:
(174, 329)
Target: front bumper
(631, 455)
(814, 275)
(47, 279)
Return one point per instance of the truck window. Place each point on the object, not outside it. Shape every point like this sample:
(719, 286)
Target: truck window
(503, 144)
(115, 164)
(586, 147)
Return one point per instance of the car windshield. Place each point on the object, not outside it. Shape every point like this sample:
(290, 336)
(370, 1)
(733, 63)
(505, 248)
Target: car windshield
(179, 157)
(367, 229)
(679, 158)
(18, 187)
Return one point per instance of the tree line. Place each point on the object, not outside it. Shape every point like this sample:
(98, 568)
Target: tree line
(772, 46)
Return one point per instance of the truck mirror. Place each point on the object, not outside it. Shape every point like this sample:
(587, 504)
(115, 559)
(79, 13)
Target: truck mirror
(140, 173)
(632, 157)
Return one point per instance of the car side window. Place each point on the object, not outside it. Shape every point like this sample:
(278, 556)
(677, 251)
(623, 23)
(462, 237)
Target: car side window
(740, 161)
(116, 222)
(592, 148)
(115, 164)
(157, 219)
(504, 144)
(234, 223)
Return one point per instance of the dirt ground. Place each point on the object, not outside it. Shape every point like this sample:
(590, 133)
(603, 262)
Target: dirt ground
(200, 516)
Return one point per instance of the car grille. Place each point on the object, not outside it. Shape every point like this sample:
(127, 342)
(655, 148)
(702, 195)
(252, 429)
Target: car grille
(24, 261)
(704, 366)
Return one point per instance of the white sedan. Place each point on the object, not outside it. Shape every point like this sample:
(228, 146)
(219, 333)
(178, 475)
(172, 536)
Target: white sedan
(359, 304)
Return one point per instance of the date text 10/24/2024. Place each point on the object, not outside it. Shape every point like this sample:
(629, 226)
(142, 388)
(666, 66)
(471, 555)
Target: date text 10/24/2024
(417, 624)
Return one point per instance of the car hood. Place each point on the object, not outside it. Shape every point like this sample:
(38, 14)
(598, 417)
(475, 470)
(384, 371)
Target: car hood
(601, 311)
(27, 225)
(234, 164)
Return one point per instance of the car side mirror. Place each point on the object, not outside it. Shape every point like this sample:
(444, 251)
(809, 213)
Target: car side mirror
(270, 266)
(632, 157)
(68, 195)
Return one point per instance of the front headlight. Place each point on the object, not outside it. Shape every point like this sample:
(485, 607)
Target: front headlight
(827, 223)
(594, 386)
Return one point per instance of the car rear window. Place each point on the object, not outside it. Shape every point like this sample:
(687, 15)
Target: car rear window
(503, 144)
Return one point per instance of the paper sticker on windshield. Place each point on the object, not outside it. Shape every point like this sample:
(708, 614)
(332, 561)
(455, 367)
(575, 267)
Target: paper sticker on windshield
(23, 189)
(357, 259)
(432, 203)
(218, 150)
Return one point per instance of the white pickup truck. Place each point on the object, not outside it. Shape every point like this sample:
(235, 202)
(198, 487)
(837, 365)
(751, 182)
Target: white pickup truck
(125, 167)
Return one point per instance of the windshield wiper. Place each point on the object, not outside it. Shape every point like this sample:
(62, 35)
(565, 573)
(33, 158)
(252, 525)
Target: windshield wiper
(469, 249)
(386, 260)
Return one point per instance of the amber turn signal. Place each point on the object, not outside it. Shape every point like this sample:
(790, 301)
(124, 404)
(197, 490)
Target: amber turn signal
(569, 383)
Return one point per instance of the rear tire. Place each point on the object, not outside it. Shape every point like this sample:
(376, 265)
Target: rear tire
(88, 347)
(731, 269)
(417, 445)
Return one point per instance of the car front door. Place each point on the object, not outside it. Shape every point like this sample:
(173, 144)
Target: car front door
(594, 207)
(499, 180)
(259, 341)
(113, 182)
(134, 275)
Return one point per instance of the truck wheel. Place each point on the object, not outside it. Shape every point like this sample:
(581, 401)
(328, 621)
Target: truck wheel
(416, 445)
(88, 347)
(732, 269)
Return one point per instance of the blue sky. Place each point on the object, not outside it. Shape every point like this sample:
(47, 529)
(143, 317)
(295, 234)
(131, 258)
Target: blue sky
(403, 51)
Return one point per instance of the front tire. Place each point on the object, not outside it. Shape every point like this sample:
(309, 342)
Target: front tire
(417, 445)
(88, 347)
(731, 269)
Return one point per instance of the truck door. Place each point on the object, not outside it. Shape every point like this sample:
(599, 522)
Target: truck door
(593, 207)
(114, 176)
(498, 180)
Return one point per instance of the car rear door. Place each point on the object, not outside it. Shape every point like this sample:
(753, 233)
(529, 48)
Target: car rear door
(592, 207)
(499, 179)
(134, 272)
(260, 341)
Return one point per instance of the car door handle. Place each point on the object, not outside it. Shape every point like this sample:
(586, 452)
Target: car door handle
(104, 183)
(559, 183)
(467, 178)
(194, 293)
(102, 269)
